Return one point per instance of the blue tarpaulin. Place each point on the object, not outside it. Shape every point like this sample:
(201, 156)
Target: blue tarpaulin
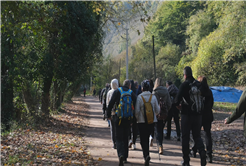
(226, 94)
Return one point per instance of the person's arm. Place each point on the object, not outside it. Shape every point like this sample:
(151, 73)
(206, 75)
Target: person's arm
(180, 95)
(137, 107)
(168, 100)
(113, 100)
(101, 95)
(156, 105)
(240, 109)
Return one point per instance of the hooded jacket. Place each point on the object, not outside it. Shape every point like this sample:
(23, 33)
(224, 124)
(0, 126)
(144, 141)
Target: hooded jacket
(114, 86)
(173, 91)
(161, 91)
(139, 108)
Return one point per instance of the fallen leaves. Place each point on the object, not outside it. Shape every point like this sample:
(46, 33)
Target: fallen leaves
(61, 142)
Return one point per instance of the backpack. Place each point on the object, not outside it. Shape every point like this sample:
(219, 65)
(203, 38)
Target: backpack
(196, 99)
(148, 111)
(163, 110)
(125, 107)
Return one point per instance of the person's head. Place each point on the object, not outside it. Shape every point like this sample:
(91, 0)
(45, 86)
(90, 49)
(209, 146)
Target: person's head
(114, 84)
(151, 83)
(204, 82)
(145, 85)
(168, 83)
(158, 82)
(106, 85)
(127, 83)
(136, 84)
(133, 88)
(187, 72)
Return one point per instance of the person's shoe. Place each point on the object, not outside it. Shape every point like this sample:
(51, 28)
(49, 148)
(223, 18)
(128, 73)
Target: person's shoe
(167, 137)
(160, 149)
(178, 139)
(193, 153)
(125, 160)
(150, 141)
(185, 164)
(114, 146)
(209, 156)
(121, 161)
(203, 158)
(133, 146)
(130, 144)
(146, 163)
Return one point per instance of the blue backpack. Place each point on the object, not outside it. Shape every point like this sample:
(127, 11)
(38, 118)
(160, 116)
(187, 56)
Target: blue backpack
(125, 107)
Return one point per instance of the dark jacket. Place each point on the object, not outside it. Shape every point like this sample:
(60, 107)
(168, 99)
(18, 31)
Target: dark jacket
(115, 99)
(184, 94)
(173, 91)
(240, 109)
(161, 91)
(101, 96)
(207, 115)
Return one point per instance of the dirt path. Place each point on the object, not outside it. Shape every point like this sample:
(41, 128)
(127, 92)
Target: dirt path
(100, 144)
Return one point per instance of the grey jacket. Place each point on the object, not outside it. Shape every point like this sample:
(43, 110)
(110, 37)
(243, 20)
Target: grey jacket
(139, 108)
(162, 91)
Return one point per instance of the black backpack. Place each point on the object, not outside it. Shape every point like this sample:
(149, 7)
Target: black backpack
(196, 98)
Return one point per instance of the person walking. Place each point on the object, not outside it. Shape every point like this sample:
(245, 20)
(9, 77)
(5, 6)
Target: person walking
(124, 100)
(191, 119)
(103, 99)
(146, 106)
(99, 93)
(84, 91)
(240, 109)
(173, 112)
(207, 117)
(115, 86)
(133, 129)
(161, 92)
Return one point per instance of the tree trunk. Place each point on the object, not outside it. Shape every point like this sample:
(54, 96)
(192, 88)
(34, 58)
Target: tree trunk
(7, 94)
(46, 96)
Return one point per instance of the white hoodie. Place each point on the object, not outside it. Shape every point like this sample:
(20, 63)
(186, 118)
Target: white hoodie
(114, 86)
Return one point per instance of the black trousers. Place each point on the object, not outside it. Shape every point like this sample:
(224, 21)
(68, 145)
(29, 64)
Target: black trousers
(133, 131)
(145, 130)
(191, 123)
(173, 113)
(121, 136)
(208, 138)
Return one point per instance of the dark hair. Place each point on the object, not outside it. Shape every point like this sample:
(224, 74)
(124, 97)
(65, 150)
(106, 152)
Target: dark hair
(133, 88)
(169, 83)
(151, 83)
(126, 83)
(145, 85)
(203, 81)
(188, 71)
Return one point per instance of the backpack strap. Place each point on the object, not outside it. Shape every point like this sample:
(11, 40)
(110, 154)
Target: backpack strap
(150, 98)
(143, 99)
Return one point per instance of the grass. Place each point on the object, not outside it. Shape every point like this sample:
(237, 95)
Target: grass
(227, 107)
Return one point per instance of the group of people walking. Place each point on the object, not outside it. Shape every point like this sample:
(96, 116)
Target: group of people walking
(133, 109)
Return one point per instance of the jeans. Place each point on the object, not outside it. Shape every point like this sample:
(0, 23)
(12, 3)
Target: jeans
(173, 113)
(193, 123)
(159, 127)
(112, 129)
(145, 130)
(121, 135)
